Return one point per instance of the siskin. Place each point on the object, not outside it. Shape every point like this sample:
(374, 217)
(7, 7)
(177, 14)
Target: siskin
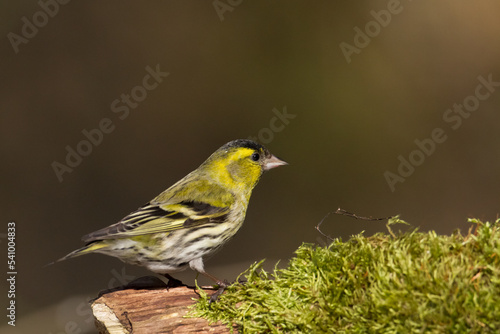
(190, 220)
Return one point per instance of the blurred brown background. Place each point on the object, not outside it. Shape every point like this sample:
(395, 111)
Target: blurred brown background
(232, 69)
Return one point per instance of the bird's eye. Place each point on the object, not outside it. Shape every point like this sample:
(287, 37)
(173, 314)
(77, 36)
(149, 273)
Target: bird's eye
(255, 157)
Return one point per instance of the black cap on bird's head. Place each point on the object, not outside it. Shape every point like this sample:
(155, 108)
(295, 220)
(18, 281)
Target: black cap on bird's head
(243, 143)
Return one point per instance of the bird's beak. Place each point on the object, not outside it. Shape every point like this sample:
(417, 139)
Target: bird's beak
(273, 162)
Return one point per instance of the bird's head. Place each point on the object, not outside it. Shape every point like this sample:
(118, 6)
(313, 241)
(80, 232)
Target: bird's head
(240, 163)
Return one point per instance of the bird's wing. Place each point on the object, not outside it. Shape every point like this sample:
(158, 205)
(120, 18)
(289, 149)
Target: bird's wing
(168, 213)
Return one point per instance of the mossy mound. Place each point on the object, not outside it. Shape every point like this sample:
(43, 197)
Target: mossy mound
(412, 282)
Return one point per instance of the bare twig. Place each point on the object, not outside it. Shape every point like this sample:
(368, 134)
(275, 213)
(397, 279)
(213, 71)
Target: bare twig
(343, 212)
(319, 225)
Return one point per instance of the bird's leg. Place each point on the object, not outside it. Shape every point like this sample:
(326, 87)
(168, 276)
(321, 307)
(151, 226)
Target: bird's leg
(222, 286)
(197, 264)
(172, 282)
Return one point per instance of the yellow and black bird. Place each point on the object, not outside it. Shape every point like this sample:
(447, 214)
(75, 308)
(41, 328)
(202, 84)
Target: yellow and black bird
(191, 219)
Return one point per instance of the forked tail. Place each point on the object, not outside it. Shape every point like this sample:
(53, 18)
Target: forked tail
(92, 247)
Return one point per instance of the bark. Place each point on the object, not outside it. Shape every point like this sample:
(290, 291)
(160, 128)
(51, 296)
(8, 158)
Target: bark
(149, 310)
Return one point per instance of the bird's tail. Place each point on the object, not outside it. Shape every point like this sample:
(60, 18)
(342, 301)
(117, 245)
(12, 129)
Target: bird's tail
(92, 247)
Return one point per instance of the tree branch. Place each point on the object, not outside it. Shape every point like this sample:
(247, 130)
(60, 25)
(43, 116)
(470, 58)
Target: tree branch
(158, 310)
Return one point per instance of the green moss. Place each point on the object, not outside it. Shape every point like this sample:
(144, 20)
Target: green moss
(412, 282)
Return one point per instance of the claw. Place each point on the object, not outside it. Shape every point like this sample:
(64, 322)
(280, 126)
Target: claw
(222, 286)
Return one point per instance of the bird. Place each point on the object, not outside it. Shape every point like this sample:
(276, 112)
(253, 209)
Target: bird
(192, 219)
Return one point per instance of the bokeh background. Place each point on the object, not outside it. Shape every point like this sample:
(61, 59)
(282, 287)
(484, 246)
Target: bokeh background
(232, 69)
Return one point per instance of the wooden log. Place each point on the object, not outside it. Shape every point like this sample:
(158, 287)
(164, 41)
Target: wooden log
(156, 309)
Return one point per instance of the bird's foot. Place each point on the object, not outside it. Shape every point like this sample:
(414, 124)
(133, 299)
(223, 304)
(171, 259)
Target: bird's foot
(222, 286)
(173, 282)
